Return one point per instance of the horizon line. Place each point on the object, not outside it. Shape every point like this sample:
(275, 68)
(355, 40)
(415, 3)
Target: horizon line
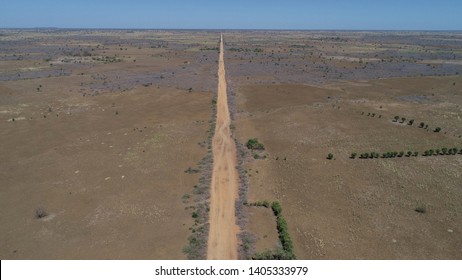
(233, 29)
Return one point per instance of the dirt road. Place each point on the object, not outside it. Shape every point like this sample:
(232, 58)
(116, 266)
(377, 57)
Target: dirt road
(222, 241)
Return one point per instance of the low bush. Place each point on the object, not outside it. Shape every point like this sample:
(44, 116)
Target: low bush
(40, 213)
(253, 144)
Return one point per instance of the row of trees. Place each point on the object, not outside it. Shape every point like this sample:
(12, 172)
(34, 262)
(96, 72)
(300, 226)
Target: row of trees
(283, 231)
(394, 154)
(442, 151)
(411, 122)
(385, 154)
(371, 115)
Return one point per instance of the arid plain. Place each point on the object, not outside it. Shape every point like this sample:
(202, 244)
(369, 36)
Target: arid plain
(106, 142)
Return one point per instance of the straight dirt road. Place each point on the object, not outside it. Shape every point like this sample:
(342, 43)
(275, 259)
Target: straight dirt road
(222, 240)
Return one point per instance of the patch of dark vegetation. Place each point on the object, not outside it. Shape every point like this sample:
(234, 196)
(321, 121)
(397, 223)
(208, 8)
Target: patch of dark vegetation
(107, 59)
(422, 125)
(276, 254)
(442, 152)
(197, 243)
(395, 154)
(191, 170)
(257, 156)
(263, 203)
(253, 144)
(372, 115)
(40, 213)
(210, 49)
(422, 209)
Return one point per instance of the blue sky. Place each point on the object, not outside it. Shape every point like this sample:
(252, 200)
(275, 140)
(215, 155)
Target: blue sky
(236, 14)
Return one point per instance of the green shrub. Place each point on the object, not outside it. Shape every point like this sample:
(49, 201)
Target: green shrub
(284, 236)
(330, 156)
(277, 209)
(277, 254)
(253, 144)
(191, 170)
(421, 209)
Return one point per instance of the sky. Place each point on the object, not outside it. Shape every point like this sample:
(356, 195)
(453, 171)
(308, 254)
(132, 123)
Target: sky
(235, 14)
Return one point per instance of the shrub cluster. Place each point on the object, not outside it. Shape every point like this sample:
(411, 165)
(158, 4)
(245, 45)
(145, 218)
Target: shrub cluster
(442, 151)
(411, 122)
(253, 144)
(431, 152)
(385, 154)
(283, 231)
(403, 119)
(372, 115)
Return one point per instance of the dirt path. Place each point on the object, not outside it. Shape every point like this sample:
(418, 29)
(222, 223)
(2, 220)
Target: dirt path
(222, 241)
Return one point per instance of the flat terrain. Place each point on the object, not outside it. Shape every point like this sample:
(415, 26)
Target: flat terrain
(102, 134)
(222, 241)
(352, 208)
(106, 142)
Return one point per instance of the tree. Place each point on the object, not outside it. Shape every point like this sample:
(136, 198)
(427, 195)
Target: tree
(401, 154)
(253, 144)
(416, 154)
(422, 124)
(411, 122)
(396, 118)
(438, 129)
(409, 153)
(330, 156)
(353, 155)
(403, 119)
(444, 151)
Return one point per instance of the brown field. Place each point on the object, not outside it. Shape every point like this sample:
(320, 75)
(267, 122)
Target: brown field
(99, 126)
(105, 163)
(351, 208)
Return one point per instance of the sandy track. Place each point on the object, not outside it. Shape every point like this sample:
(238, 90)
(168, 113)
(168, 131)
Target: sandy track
(222, 240)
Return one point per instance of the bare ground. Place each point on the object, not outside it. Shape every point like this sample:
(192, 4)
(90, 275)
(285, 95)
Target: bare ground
(222, 243)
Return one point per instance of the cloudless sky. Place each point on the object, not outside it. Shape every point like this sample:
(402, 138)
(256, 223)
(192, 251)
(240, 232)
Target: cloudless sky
(235, 14)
